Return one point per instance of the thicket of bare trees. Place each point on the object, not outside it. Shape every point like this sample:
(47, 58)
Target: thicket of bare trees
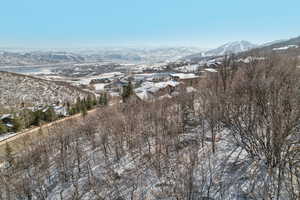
(259, 104)
(236, 137)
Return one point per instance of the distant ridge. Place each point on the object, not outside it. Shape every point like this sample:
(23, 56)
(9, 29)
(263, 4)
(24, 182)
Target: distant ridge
(228, 48)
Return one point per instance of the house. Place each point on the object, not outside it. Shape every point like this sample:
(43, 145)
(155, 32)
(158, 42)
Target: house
(187, 79)
(208, 72)
(60, 111)
(7, 120)
(116, 86)
(150, 91)
(114, 98)
(100, 80)
(211, 70)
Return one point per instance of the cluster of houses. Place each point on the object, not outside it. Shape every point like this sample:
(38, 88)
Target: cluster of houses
(148, 86)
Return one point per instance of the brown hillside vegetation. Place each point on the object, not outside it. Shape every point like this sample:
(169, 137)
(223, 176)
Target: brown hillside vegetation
(16, 89)
(236, 137)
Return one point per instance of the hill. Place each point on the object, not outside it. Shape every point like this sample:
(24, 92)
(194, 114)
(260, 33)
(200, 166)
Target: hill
(228, 48)
(16, 89)
(37, 58)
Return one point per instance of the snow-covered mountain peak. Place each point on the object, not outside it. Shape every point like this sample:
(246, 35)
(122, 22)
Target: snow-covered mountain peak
(231, 47)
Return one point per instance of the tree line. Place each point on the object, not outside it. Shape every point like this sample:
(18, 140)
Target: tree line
(26, 118)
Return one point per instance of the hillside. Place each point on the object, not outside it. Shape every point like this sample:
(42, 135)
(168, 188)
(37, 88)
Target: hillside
(228, 48)
(235, 140)
(37, 58)
(16, 89)
(288, 47)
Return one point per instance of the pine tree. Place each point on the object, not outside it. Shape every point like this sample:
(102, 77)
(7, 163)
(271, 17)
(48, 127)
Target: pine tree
(127, 91)
(89, 102)
(103, 99)
(3, 128)
(83, 110)
(50, 115)
(68, 106)
(94, 102)
(37, 117)
(78, 105)
(17, 124)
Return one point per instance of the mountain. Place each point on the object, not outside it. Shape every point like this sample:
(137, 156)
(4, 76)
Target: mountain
(231, 47)
(160, 54)
(292, 43)
(272, 42)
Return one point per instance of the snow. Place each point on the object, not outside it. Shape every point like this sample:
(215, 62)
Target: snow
(143, 95)
(6, 136)
(87, 80)
(99, 86)
(285, 47)
(146, 88)
(250, 59)
(210, 70)
(60, 110)
(154, 87)
(190, 89)
(165, 96)
(114, 94)
(184, 76)
(188, 68)
(5, 116)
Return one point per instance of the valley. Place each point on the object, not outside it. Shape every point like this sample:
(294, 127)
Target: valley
(220, 125)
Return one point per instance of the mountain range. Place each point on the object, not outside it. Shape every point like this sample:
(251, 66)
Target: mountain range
(241, 47)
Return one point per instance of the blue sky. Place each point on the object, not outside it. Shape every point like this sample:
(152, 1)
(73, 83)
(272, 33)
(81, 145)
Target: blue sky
(96, 23)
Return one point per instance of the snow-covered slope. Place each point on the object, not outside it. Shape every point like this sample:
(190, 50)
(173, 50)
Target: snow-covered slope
(228, 48)
(231, 47)
(16, 89)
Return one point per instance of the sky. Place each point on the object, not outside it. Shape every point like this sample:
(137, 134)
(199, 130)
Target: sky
(100, 23)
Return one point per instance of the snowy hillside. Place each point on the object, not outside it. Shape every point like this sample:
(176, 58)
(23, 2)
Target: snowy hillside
(228, 48)
(37, 58)
(16, 89)
(231, 47)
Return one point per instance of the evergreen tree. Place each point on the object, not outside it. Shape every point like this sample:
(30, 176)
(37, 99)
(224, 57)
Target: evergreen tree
(37, 117)
(105, 99)
(73, 110)
(68, 106)
(3, 128)
(94, 102)
(17, 124)
(78, 105)
(28, 117)
(127, 91)
(83, 110)
(100, 100)
(89, 102)
(50, 115)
